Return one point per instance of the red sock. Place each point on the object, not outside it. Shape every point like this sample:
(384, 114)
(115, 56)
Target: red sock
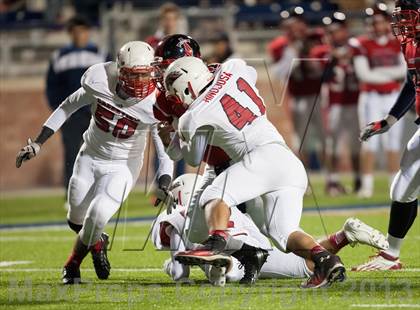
(219, 232)
(317, 249)
(338, 240)
(97, 246)
(74, 259)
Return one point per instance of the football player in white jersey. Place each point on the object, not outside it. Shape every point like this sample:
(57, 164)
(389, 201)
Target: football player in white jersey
(167, 234)
(121, 95)
(226, 109)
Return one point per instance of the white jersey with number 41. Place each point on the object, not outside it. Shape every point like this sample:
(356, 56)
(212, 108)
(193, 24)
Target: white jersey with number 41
(233, 108)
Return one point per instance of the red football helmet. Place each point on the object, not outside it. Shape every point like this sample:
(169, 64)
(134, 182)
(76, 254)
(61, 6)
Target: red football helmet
(406, 19)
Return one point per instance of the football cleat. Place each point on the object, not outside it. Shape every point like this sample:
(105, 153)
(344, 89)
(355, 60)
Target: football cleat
(358, 232)
(329, 269)
(252, 265)
(381, 261)
(100, 257)
(209, 253)
(216, 275)
(71, 274)
(365, 193)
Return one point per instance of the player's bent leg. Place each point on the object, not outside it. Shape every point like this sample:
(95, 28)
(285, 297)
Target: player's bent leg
(281, 265)
(80, 190)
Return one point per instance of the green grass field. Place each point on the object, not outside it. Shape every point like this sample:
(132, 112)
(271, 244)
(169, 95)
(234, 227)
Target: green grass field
(138, 282)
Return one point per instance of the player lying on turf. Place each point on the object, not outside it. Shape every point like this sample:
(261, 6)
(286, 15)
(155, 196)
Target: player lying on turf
(167, 234)
(225, 108)
(405, 187)
(121, 95)
(168, 110)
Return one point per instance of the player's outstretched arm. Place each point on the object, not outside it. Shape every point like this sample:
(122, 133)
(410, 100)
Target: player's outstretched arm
(405, 100)
(70, 105)
(33, 147)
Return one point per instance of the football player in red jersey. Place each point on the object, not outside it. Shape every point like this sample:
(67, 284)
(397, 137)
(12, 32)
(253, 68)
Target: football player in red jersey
(380, 68)
(343, 93)
(405, 187)
(168, 110)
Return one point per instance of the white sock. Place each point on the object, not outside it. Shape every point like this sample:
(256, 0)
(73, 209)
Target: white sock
(394, 246)
(367, 182)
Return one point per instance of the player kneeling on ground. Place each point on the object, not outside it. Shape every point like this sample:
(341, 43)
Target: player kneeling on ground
(121, 95)
(168, 233)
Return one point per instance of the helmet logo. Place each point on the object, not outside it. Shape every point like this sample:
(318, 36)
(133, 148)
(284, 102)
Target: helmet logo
(172, 77)
(184, 43)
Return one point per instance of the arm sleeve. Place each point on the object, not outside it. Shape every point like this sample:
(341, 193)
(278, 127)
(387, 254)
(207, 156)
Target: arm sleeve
(178, 270)
(166, 165)
(405, 100)
(174, 149)
(72, 103)
(193, 151)
(365, 74)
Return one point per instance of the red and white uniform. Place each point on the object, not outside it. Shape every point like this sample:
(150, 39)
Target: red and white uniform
(167, 234)
(293, 65)
(343, 95)
(406, 185)
(262, 164)
(411, 51)
(380, 68)
(110, 159)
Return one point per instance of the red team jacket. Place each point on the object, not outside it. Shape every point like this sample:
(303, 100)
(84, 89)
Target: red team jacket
(379, 56)
(343, 86)
(166, 109)
(411, 51)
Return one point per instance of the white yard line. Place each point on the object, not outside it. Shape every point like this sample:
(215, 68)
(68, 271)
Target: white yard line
(16, 262)
(385, 305)
(56, 239)
(87, 269)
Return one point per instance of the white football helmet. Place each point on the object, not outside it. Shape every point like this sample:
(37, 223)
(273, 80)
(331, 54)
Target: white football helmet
(135, 70)
(182, 188)
(186, 77)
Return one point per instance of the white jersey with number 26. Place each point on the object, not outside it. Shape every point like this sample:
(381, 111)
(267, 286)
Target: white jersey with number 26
(233, 108)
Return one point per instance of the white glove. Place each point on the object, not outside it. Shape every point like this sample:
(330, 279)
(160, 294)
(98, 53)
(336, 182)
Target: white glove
(377, 127)
(27, 152)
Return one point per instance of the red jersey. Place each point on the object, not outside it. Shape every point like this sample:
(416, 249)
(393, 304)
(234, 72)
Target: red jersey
(165, 110)
(343, 86)
(304, 80)
(387, 55)
(411, 50)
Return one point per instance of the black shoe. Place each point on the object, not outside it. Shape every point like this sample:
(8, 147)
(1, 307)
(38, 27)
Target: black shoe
(71, 274)
(328, 269)
(100, 257)
(252, 261)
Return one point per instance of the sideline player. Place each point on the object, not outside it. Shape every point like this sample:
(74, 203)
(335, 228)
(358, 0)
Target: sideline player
(121, 95)
(225, 109)
(380, 68)
(405, 187)
(169, 110)
(343, 93)
(167, 234)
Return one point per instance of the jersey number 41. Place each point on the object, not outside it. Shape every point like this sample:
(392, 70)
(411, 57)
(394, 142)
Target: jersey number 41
(238, 115)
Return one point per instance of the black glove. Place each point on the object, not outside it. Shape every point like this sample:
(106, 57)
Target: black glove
(162, 191)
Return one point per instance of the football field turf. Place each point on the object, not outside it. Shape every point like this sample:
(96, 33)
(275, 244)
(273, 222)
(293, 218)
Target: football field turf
(31, 259)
